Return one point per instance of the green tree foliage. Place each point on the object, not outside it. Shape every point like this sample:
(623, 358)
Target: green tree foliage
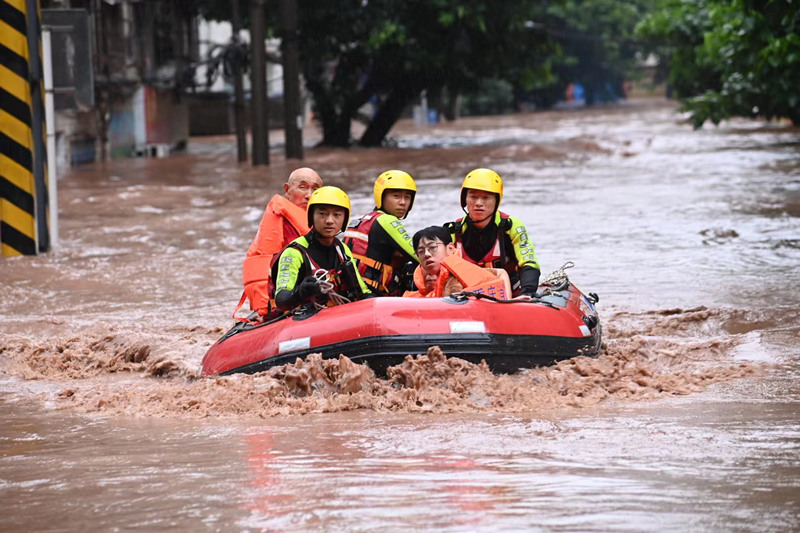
(730, 57)
(493, 97)
(389, 51)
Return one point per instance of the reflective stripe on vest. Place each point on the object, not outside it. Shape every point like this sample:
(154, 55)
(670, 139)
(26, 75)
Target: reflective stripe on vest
(310, 267)
(494, 257)
(356, 236)
(308, 262)
(375, 274)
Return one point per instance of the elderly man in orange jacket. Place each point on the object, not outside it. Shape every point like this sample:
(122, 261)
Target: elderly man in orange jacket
(284, 220)
(442, 272)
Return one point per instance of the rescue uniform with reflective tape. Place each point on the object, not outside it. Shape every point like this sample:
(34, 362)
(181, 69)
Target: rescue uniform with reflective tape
(306, 255)
(282, 222)
(382, 246)
(503, 243)
(458, 274)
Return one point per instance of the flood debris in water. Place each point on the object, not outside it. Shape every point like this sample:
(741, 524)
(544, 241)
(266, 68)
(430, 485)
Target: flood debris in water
(712, 236)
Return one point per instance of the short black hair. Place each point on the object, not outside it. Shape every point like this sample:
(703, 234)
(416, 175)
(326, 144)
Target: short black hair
(433, 233)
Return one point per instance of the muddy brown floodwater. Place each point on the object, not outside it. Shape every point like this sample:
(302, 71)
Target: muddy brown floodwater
(687, 421)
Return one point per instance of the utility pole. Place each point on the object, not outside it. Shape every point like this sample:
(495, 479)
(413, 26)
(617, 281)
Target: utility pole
(293, 117)
(259, 85)
(238, 90)
(23, 182)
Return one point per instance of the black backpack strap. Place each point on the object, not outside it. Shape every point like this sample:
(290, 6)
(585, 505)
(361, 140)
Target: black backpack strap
(502, 231)
(453, 228)
(349, 273)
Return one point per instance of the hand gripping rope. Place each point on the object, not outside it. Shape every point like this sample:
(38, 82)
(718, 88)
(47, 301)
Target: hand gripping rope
(326, 287)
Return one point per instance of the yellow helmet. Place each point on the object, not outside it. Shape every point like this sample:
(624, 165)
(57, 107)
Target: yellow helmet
(329, 195)
(482, 179)
(394, 179)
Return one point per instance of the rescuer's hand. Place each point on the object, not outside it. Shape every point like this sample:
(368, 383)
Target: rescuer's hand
(308, 287)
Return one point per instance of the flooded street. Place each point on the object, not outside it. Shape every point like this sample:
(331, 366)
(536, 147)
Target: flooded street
(687, 421)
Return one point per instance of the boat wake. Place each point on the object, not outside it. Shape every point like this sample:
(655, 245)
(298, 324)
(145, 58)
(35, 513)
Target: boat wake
(126, 372)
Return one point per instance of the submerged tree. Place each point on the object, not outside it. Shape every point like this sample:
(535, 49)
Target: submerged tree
(730, 57)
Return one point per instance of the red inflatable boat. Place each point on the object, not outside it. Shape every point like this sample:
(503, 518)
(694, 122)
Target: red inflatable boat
(508, 334)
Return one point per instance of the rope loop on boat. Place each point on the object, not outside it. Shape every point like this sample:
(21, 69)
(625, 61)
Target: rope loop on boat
(558, 276)
(557, 280)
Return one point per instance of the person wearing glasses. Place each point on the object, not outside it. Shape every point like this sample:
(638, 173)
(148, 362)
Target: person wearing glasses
(442, 272)
(488, 237)
(379, 240)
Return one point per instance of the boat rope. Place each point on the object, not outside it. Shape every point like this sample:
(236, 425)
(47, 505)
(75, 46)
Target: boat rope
(325, 285)
(554, 282)
(557, 280)
(558, 276)
(463, 295)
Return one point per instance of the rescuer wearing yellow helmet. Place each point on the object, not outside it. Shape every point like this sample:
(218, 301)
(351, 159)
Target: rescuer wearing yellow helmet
(491, 238)
(379, 240)
(317, 264)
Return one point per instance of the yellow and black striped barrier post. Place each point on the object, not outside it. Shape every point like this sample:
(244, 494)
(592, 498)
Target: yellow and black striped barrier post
(23, 180)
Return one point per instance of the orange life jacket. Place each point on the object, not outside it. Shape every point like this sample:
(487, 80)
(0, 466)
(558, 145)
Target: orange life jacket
(472, 277)
(267, 243)
(419, 281)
